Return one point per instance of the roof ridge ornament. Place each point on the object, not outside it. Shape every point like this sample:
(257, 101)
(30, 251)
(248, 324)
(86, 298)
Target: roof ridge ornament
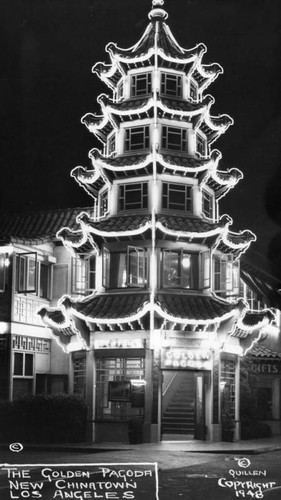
(156, 11)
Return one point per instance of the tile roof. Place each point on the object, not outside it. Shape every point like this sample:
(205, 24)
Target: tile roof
(37, 226)
(194, 307)
(259, 351)
(109, 306)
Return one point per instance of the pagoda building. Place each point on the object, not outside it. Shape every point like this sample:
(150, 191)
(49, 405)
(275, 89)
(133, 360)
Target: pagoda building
(157, 324)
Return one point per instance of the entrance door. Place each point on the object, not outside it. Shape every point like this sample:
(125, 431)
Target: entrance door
(199, 406)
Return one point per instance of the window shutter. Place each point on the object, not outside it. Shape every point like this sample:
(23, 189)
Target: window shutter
(106, 267)
(2, 272)
(205, 269)
(135, 266)
(27, 272)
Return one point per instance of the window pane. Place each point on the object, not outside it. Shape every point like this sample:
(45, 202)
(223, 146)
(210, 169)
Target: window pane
(28, 369)
(118, 271)
(171, 268)
(31, 275)
(136, 266)
(18, 363)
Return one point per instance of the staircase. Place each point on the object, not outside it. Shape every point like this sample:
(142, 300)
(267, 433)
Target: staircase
(178, 417)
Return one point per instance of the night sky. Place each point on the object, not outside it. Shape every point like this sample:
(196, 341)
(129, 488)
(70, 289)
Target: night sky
(48, 50)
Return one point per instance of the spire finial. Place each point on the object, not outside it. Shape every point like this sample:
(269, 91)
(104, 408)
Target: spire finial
(156, 11)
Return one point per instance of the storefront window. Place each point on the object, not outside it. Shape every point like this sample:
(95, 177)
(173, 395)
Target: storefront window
(116, 401)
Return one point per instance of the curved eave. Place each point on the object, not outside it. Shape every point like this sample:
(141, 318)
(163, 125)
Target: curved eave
(193, 310)
(205, 74)
(214, 126)
(207, 231)
(235, 243)
(251, 328)
(110, 309)
(221, 182)
(140, 164)
(125, 110)
(105, 231)
(78, 241)
(90, 180)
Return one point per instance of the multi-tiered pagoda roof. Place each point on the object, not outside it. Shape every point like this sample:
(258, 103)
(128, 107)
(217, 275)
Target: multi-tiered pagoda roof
(158, 89)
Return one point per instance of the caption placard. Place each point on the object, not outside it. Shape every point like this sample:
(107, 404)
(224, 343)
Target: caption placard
(246, 482)
(128, 481)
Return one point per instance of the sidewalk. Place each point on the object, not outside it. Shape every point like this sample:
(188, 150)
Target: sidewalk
(192, 446)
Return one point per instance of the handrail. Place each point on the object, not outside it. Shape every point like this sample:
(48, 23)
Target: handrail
(169, 384)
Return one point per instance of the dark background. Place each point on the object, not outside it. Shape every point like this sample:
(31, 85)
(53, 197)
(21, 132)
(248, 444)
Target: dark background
(46, 86)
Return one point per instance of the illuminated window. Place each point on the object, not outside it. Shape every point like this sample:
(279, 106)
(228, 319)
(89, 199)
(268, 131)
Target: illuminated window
(123, 370)
(193, 91)
(141, 84)
(125, 269)
(23, 364)
(180, 269)
(174, 138)
(200, 145)
(177, 197)
(104, 203)
(137, 138)
(111, 147)
(207, 204)
(226, 275)
(171, 85)
(83, 273)
(133, 196)
(136, 266)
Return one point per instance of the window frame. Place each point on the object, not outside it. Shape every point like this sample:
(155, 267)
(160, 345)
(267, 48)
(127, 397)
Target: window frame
(168, 188)
(182, 253)
(81, 272)
(164, 84)
(210, 210)
(23, 356)
(193, 90)
(201, 145)
(130, 134)
(104, 203)
(124, 189)
(136, 80)
(111, 144)
(225, 275)
(141, 275)
(168, 133)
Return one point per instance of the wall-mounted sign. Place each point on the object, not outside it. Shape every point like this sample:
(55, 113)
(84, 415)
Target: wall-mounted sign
(193, 359)
(119, 344)
(265, 367)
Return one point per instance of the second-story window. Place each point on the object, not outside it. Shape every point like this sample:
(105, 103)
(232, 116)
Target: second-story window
(4, 263)
(124, 269)
(103, 203)
(174, 138)
(137, 138)
(180, 269)
(32, 276)
(177, 197)
(83, 274)
(133, 196)
(171, 85)
(207, 204)
(225, 275)
(141, 84)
